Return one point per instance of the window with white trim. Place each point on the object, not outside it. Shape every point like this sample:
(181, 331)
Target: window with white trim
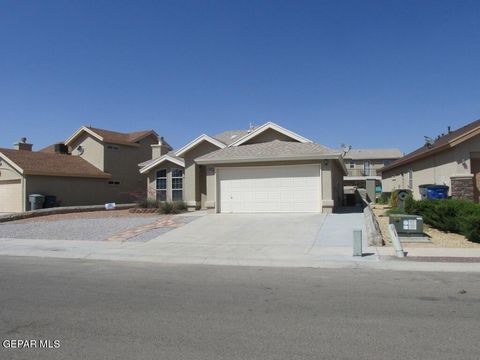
(410, 179)
(177, 184)
(161, 184)
(352, 164)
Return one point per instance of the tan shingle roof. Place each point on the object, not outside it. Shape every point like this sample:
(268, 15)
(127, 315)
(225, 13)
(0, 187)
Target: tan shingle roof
(48, 164)
(371, 154)
(48, 149)
(273, 150)
(228, 137)
(445, 142)
(170, 153)
(121, 138)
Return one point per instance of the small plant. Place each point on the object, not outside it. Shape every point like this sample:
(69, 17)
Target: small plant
(409, 204)
(146, 203)
(394, 199)
(172, 207)
(383, 199)
(395, 210)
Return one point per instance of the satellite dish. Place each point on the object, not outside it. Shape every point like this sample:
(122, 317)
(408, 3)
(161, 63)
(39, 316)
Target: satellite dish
(80, 150)
(428, 141)
(346, 148)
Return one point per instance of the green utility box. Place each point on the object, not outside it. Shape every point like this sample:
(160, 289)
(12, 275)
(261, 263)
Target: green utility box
(407, 225)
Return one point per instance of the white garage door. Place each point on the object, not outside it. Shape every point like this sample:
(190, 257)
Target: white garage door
(10, 196)
(270, 189)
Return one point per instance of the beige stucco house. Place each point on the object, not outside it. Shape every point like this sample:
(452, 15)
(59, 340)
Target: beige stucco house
(264, 169)
(93, 166)
(363, 166)
(452, 159)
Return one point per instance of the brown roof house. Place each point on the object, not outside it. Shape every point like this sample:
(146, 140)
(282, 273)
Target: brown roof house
(93, 166)
(264, 169)
(451, 159)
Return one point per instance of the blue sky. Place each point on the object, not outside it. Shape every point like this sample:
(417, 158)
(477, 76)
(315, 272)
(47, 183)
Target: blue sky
(365, 73)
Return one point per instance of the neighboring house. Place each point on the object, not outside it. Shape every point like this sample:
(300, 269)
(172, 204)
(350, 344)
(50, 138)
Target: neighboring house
(363, 166)
(265, 169)
(93, 166)
(452, 159)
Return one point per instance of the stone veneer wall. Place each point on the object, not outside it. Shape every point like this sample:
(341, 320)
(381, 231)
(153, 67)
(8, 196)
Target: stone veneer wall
(462, 188)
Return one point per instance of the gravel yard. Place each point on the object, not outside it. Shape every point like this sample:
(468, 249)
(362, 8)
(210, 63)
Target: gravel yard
(438, 238)
(96, 226)
(85, 215)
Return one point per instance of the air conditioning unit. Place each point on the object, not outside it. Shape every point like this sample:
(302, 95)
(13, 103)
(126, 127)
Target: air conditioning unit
(407, 225)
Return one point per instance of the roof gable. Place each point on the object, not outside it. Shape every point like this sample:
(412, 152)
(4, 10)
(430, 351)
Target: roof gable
(113, 137)
(197, 141)
(155, 162)
(270, 126)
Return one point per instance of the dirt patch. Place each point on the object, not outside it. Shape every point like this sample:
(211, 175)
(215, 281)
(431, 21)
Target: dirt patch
(438, 238)
(85, 215)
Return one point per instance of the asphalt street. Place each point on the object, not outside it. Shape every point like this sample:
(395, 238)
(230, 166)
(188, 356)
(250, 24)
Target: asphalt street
(121, 310)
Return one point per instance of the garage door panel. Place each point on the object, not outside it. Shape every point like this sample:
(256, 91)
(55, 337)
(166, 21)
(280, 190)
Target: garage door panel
(270, 189)
(11, 196)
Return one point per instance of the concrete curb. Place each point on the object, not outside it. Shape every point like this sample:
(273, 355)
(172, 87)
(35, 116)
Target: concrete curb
(60, 210)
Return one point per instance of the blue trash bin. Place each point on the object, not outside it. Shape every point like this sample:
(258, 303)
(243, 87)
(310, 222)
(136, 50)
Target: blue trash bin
(433, 192)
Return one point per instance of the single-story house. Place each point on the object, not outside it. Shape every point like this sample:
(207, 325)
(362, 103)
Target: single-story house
(263, 169)
(452, 159)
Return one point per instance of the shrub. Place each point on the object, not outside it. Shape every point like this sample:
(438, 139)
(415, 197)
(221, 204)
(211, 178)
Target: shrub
(172, 207)
(383, 199)
(409, 204)
(471, 228)
(146, 203)
(395, 210)
(459, 216)
(394, 200)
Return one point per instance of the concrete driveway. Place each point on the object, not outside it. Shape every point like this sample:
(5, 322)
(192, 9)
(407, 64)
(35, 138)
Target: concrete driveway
(261, 239)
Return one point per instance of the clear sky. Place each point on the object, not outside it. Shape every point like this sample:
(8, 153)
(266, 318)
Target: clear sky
(365, 73)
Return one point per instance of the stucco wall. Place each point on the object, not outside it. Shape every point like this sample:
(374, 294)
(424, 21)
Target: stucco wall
(72, 191)
(122, 162)
(435, 169)
(358, 166)
(92, 150)
(268, 135)
(7, 172)
(192, 185)
(337, 181)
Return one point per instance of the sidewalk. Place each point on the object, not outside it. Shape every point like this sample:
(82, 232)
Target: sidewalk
(328, 257)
